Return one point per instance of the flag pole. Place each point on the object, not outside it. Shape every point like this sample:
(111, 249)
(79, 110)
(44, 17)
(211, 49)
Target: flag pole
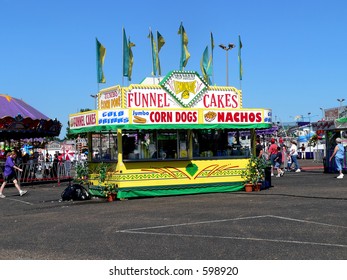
(212, 46)
(97, 95)
(151, 49)
(240, 64)
(122, 56)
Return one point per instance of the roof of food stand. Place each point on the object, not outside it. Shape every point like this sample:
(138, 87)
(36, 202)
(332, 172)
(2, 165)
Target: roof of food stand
(179, 93)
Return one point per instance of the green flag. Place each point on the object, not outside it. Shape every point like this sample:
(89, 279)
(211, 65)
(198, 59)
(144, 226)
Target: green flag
(240, 61)
(185, 55)
(154, 54)
(210, 67)
(100, 58)
(125, 55)
(161, 42)
(205, 66)
(128, 58)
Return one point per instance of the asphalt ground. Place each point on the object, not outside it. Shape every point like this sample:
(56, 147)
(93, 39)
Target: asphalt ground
(302, 217)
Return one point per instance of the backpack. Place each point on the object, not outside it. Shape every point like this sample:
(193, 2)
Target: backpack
(75, 192)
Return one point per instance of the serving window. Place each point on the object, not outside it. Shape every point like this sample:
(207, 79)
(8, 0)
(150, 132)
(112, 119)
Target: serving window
(170, 144)
(174, 144)
(219, 143)
(155, 144)
(104, 146)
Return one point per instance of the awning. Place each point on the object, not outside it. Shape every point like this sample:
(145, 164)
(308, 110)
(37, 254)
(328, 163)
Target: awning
(341, 123)
(169, 126)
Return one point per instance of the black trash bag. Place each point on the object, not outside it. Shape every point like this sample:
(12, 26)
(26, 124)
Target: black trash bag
(75, 192)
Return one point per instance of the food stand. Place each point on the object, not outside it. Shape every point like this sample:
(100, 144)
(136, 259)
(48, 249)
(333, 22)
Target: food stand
(177, 135)
(334, 125)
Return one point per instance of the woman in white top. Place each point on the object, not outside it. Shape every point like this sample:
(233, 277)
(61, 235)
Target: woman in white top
(294, 155)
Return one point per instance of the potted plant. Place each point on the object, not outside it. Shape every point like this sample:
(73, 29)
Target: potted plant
(82, 172)
(254, 173)
(110, 191)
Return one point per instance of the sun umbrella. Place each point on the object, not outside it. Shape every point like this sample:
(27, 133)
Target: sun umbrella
(69, 155)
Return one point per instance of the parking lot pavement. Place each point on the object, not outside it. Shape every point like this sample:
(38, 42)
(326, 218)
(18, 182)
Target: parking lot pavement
(303, 216)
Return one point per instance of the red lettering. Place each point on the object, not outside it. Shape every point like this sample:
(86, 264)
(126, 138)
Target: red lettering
(226, 100)
(159, 117)
(90, 119)
(194, 117)
(78, 121)
(239, 117)
(186, 117)
(235, 101)
(244, 117)
(220, 101)
(147, 100)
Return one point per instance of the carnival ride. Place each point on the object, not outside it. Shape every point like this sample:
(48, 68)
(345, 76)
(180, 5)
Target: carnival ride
(18, 120)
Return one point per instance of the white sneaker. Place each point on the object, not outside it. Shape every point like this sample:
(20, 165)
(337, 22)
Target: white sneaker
(21, 193)
(278, 175)
(2, 196)
(298, 170)
(340, 176)
(272, 174)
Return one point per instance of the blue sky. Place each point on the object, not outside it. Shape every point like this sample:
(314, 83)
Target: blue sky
(294, 52)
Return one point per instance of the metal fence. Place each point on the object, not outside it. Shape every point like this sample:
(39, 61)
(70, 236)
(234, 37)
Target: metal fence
(34, 172)
(318, 155)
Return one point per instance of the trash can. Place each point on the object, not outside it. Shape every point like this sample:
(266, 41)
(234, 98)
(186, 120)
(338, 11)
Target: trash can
(267, 181)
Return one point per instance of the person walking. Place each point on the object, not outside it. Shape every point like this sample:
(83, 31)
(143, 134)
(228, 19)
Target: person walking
(10, 174)
(259, 151)
(339, 156)
(294, 155)
(278, 162)
(272, 151)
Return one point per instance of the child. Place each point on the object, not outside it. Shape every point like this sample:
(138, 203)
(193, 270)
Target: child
(289, 161)
(278, 162)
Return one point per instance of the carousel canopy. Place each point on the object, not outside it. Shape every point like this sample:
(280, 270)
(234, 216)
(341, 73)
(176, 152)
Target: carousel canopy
(19, 120)
(12, 107)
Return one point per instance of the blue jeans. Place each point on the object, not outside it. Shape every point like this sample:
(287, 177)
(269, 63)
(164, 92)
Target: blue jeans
(272, 159)
(339, 163)
(295, 161)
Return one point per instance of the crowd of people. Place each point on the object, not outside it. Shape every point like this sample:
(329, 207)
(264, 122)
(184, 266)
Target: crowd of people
(279, 154)
(20, 165)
